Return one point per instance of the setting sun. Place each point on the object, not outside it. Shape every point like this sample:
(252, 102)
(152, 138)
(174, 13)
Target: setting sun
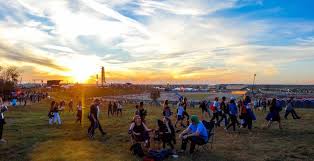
(81, 68)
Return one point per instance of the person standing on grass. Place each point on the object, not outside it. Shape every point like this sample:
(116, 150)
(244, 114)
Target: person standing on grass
(233, 113)
(166, 111)
(204, 108)
(71, 106)
(216, 110)
(110, 109)
(264, 104)
(93, 118)
(51, 112)
(114, 107)
(119, 108)
(142, 112)
(180, 115)
(196, 133)
(3, 109)
(185, 113)
(224, 112)
(250, 116)
(274, 113)
(56, 115)
(290, 109)
(79, 112)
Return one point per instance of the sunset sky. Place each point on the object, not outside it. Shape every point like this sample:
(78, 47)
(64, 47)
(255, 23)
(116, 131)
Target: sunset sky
(160, 41)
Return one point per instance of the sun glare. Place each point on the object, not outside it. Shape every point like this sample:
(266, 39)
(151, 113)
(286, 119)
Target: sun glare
(81, 69)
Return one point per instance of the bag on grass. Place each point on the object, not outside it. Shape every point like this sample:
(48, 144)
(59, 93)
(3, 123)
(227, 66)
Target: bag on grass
(137, 149)
(159, 155)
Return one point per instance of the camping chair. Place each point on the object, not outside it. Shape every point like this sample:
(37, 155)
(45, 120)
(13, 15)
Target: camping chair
(210, 126)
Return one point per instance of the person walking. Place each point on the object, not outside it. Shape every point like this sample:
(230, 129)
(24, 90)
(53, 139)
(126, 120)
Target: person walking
(233, 113)
(290, 109)
(79, 112)
(274, 114)
(93, 118)
(216, 111)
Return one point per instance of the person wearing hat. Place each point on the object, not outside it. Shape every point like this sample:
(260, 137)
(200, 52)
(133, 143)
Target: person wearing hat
(196, 133)
(93, 118)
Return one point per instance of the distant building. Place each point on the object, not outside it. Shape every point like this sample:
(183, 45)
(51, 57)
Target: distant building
(51, 83)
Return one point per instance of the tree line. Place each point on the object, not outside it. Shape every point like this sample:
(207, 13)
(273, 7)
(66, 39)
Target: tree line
(9, 77)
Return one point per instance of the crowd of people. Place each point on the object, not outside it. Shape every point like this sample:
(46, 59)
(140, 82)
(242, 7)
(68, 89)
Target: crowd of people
(235, 114)
(232, 112)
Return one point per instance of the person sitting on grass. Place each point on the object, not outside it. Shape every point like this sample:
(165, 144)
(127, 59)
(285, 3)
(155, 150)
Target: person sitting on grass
(166, 133)
(196, 133)
(3, 109)
(79, 112)
(93, 118)
(274, 113)
(139, 131)
(290, 109)
(180, 117)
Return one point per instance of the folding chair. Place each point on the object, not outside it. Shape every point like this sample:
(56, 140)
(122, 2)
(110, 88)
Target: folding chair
(210, 126)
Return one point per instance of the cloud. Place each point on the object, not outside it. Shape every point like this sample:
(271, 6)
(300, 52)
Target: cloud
(20, 55)
(179, 40)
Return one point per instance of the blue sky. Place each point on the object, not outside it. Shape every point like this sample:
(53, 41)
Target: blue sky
(160, 41)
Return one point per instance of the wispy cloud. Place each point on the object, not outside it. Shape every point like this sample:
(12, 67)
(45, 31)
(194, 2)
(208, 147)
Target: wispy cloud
(179, 40)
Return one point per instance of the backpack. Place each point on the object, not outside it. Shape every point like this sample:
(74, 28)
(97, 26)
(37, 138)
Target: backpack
(159, 155)
(137, 149)
(50, 114)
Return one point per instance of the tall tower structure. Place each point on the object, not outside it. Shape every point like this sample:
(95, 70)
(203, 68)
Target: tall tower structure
(96, 80)
(103, 80)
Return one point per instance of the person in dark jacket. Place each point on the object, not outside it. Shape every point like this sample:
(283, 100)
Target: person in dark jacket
(225, 111)
(139, 131)
(233, 113)
(3, 109)
(274, 113)
(93, 118)
(290, 109)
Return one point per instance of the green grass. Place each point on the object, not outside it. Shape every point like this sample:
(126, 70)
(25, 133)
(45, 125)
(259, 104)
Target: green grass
(30, 138)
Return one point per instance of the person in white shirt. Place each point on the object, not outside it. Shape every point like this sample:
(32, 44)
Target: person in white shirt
(119, 108)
